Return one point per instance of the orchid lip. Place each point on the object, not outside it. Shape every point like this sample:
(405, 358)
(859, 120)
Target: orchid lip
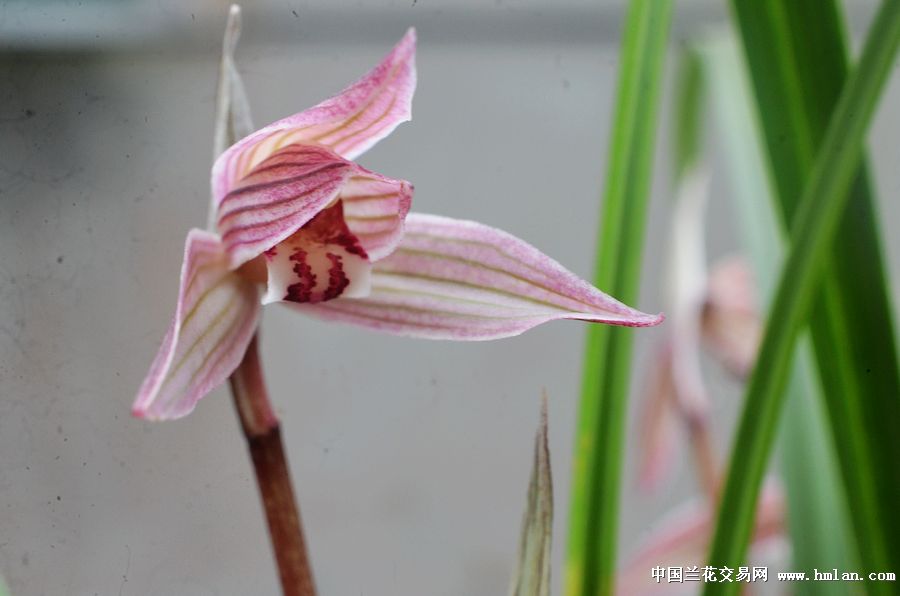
(322, 261)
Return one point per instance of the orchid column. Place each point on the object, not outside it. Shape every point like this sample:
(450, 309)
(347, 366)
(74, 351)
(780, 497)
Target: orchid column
(295, 221)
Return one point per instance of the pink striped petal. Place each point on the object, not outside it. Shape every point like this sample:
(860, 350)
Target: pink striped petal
(454, 279)
(279, 196)
(349, 123)
(375, 208)
(215, 318)
(321, 262)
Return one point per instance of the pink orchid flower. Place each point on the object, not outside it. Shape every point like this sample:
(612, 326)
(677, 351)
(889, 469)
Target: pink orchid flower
(727, 324)
(681, 539)
(297, 221)
(708, 308)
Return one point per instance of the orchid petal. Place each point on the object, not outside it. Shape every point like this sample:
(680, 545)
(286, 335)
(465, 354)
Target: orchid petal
(279, 196)
(215, 318)
(730, 322)
(375, 208)
(455, 279)
(349, 123)
(322, 261)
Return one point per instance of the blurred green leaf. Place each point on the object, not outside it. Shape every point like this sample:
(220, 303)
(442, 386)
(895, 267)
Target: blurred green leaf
(688, 109)
(825, 197)
(816, 515)
(599, 443)
(797, 57)
(532, 576)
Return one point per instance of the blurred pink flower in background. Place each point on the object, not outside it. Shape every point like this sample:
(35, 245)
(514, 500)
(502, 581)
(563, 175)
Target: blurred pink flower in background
(716, 309)
(682, 538)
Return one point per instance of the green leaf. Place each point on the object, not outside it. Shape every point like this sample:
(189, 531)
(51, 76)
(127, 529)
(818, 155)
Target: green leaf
(599, 447)
(688, 109)
(817, 218)
(532, 576)
(816, 515)
(797, 58)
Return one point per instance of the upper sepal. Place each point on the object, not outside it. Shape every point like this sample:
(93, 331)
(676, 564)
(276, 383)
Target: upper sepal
(348, 123)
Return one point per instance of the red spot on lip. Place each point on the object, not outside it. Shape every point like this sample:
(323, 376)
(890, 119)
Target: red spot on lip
(337, 279)
(301, 291)
(326, 229)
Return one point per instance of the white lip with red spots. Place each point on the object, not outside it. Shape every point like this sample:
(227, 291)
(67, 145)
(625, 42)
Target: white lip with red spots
(322, 261)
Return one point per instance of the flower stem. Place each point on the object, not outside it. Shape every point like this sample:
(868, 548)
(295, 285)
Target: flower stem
(708, 473)
(263, 434)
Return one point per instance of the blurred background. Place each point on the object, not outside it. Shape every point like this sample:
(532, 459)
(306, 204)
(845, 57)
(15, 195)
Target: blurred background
(410, 458)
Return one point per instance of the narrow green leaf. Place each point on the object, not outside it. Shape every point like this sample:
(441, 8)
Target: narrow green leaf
(4, 591)
(823, 201)
(532, 576)
(816, 515)
(599, 447)
(797, 58)
(817, 518)
(688, 110)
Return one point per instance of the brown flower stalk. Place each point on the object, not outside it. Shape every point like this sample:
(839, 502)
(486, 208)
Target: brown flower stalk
(263, 434)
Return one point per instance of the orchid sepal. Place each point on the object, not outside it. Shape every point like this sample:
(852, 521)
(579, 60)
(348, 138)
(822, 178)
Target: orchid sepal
(462, 280)
(215, 318)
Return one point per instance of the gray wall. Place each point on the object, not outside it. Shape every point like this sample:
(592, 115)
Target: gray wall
(410, 458)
